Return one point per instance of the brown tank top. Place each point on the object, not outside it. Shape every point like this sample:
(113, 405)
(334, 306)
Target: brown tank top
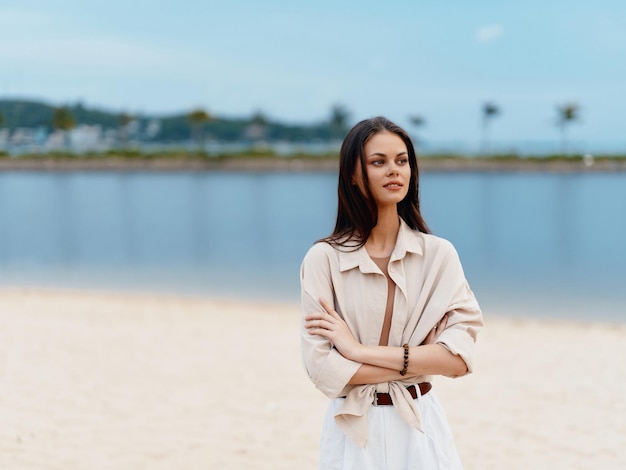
(383, 263)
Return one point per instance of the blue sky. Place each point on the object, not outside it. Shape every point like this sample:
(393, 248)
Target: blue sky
(293, 60)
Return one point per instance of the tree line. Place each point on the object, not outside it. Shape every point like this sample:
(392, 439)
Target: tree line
(197, 124)
(566, 114)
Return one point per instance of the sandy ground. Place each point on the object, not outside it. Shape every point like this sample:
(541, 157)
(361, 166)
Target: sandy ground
(119, 381)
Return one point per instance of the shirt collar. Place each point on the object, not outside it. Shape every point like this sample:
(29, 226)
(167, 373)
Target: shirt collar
(407, 242)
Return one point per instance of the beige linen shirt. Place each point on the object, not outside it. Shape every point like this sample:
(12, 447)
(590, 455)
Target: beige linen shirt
(429, 283)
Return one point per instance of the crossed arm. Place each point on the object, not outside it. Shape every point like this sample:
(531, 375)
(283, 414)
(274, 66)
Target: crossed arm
(383, 363)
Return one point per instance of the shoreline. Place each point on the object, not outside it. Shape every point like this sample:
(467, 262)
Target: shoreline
(269, 302)
(163, 381)
(292, 164)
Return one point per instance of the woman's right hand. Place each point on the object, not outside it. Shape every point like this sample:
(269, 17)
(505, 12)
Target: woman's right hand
(436, 331)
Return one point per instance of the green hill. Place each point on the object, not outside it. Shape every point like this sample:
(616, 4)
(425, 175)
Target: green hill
(171, 128)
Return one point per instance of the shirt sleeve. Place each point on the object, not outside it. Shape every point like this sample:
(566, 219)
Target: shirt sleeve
(326, 367)
(464, 314)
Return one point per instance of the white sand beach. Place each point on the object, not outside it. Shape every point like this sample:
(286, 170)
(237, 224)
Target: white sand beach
(121, 381)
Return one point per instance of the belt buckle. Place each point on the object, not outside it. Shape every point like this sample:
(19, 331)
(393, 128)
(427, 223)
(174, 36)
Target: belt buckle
(375, 403)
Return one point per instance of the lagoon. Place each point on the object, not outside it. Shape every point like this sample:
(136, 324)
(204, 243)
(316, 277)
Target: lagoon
(532, 244)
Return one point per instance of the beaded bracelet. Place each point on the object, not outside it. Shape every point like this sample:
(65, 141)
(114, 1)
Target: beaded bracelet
(405, 367)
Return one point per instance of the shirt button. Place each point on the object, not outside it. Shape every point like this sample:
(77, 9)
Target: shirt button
(392, 270)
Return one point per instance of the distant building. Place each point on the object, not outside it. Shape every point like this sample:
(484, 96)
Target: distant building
(84, 138)
(23, 136)
(4, 138)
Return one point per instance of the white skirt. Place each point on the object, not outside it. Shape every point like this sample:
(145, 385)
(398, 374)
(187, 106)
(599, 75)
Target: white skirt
(392, 444)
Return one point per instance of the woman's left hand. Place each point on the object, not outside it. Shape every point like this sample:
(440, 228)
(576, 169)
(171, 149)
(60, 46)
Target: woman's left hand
(332, 327)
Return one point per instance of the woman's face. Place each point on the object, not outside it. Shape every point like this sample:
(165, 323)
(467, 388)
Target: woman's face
(387, 167)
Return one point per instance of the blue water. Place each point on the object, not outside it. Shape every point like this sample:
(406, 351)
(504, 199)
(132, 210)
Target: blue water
(548, 245)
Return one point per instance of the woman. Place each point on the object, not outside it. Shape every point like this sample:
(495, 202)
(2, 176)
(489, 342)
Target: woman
(385, 306)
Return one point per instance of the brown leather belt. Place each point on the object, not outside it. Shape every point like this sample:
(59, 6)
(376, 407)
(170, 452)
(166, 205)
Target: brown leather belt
(385, 398)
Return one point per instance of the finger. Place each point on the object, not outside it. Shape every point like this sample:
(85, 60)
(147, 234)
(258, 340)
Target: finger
(323, 333)
(323, 315)
(318, 324)
(431, 336)
(443, 323)
(315, 316)
(319, 332)
(329, 308)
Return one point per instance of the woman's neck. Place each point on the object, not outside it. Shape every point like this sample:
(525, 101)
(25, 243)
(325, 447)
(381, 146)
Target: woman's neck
(382, 239)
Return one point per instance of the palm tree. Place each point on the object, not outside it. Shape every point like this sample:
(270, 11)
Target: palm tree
(197, 118)
(63, 121)
(489, 111)
(566, 114)
(124, 121)
(417, 121)
(1, 121)
(258, 126)
(339, 115)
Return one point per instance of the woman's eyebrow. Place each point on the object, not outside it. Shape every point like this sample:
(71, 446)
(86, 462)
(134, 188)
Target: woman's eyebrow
(377, 154)
(383, 154)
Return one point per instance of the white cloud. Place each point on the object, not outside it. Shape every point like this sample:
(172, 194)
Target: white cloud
(488, 33)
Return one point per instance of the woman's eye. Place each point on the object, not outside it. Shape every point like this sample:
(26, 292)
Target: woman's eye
(403, 161)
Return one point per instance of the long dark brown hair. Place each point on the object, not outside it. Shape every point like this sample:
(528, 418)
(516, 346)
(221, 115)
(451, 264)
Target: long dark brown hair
(357, 213)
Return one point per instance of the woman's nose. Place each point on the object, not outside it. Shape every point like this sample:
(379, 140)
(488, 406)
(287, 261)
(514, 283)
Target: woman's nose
(393, 169)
